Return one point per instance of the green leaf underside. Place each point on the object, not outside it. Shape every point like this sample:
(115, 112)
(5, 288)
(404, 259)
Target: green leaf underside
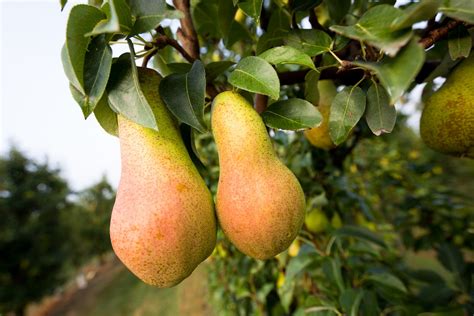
(106, 117)
(396, 74)
(375, 28)
(458, 9)
(360, 233)
(82, 19)
(459, 42)
(149, 14)
(292, 114)
(388, 280)
(119, 18)
(252, 8)
(417, 12)
(380, 115)
(125, 94)
(287, 55)
(254, 74)
(311, 91)
(184, 95)
(310, 42)
(346, 110)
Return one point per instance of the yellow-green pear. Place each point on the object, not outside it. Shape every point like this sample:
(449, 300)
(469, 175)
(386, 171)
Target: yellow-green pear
(316, 221)
(447, 121)
(319, 136)
(163, 222)
(260, 203)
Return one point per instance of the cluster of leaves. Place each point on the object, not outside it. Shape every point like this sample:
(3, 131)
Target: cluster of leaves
(47, 231)
(254, 45)
(397, 247)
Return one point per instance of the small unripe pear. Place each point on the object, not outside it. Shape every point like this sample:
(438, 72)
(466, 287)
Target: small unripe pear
(316, 221)
(260, 203)
(319, 136)
(163, 223)
(447, 121)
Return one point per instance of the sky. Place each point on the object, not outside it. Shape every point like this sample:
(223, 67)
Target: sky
(37, 112)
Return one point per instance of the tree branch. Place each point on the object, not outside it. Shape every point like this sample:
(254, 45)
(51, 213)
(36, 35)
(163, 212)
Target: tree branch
(187, 34)
(438, 33)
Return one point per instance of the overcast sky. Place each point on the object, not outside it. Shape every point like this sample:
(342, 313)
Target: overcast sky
(38, 114)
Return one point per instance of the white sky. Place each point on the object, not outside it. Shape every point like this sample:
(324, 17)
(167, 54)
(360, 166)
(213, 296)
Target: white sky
(37, 112)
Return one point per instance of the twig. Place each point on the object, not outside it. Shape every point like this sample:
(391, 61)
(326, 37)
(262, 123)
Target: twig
(186, 33)
(439, 33)
(261, 102)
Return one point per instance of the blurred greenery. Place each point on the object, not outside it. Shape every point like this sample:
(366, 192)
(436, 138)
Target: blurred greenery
(47, 231)
(398, 238)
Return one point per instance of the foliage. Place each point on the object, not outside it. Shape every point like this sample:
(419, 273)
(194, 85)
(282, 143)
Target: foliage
(400, 228)
(44, 232)
(393, 246)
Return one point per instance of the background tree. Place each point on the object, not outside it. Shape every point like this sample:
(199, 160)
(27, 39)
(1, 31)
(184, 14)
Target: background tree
(44, 234)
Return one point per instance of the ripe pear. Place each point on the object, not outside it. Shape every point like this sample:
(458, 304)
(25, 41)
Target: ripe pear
(163, 222)
(260, 203)
(319, 136)
(447, 121)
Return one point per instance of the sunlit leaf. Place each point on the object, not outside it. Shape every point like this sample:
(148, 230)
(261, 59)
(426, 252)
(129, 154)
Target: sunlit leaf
(119, 18)
(458, 9)
(252, 8)
(292, 114)
(421, 11)
(287, 55)
(254, 74)
(311, 42)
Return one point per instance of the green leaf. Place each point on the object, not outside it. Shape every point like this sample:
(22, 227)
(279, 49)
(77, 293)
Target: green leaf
(292, 114)
(380, 115)
(214, 69)
(375, 28)
(396, 74)
(180, 68)
(237, 32)
(347, 108)
(106, 117)
(332, 270)
(125, 94)
(359, 233)
(252, 8)
(62, 3)
(388, 280)
(311, 42)
(148, 14)
(459, 9)
(256, 75)
(205, 17)
(297, 264)
(350, 300)
(82, 19)
(459, 42)
(119, 18)
(451, 258)
(421, 11)
(184, 95)
(311, 91)
(287, 55)
(277, 30)
(338, 9)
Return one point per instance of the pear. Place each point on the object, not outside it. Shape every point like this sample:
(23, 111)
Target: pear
(319, 136)
(260, 203)
(316, 221)
(163, 222)
(447, 121)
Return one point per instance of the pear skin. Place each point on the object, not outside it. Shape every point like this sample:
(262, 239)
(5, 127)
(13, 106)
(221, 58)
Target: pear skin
(447, 121)
(319, 136)
(260, 203)
(163, 222)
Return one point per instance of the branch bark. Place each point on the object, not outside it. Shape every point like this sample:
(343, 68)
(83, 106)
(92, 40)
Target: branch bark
(186, 33)
(438, 33)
